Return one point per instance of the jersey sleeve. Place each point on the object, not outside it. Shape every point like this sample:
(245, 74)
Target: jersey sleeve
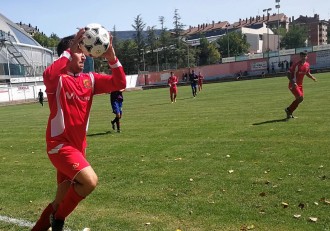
(108, 83)
(53, 72)
(292, 68)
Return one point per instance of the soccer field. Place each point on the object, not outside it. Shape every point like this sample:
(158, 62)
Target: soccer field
(226, 160)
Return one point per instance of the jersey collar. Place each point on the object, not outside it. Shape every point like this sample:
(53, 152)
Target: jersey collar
(74, 75)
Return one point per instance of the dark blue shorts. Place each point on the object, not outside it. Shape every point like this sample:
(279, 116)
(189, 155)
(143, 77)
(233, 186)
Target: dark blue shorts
(116, 107)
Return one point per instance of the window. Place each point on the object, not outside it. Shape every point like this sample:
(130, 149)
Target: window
(22, 38)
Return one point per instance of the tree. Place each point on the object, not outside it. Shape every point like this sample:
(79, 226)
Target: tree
(152, 47)
(127, 52)
(139, 26)
(53, 40)
(165, 41)
(295, 37)
(178, 28)
(43, 40)
(114, 37)
(209, 53)
(237, 44)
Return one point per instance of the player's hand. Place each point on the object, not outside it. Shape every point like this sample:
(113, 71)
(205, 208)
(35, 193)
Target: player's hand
(293, 86)
(74, 45)
(110, 54)
(315, 80)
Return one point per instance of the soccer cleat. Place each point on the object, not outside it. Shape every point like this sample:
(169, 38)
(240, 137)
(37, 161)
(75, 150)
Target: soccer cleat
(118, 131)
(113, 125)
(57, 225)
(288, 113)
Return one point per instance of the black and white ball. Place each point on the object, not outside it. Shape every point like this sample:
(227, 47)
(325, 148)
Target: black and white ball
(96, 41)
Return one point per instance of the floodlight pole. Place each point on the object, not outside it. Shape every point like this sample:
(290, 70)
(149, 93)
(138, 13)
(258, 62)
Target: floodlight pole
(157, 43)
(228, 52)
(267, 10)
(278, 27)
(144, 62)
(187, 44)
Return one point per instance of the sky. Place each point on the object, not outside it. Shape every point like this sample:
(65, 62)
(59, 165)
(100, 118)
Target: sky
(62, 17)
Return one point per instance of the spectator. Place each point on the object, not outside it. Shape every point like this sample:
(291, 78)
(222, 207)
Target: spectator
(41, 97)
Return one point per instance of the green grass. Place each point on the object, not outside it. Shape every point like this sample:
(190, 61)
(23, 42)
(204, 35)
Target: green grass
(170, 165)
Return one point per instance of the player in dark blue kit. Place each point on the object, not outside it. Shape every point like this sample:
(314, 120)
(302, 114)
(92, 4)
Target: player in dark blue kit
(193, 81)
(116, 99)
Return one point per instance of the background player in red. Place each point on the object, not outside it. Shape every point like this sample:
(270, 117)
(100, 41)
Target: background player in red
(296, 77)
(172, 82)
(200, 81)
(70, 93)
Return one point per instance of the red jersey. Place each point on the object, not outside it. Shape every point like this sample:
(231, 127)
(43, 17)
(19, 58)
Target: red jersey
(200, 78)
(298, 71)
(70, 100)
(172, 81)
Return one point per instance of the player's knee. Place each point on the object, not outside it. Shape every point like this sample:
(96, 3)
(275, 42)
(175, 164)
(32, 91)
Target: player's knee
(300, 99)
(88, 180)
(92, 183)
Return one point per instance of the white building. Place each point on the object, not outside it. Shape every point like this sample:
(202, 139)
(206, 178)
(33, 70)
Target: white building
(22, 59)
(260, 38)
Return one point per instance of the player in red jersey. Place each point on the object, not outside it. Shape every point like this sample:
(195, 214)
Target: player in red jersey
(296, 76)
(172, 82)
(70, 93)
(200, 81)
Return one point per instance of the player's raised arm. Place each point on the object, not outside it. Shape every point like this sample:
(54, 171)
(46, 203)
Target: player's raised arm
(110, 54)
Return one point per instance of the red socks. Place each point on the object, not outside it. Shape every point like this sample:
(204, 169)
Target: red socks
(294, 105)
(43, 223)
(70, 202)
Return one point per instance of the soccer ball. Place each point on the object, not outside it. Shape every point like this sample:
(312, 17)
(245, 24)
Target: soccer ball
(96, 40)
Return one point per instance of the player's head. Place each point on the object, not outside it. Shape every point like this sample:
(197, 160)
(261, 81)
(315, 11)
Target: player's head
(76, 64)
(303, 56)
(64, 44)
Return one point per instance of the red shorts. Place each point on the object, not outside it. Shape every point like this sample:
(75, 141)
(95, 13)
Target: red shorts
(68, 161)
(297, 91)
(173, 90)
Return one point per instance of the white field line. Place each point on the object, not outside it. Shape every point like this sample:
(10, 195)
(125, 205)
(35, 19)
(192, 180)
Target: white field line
(19, 222)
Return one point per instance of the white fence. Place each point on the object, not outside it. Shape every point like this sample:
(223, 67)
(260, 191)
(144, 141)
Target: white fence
(28, 92)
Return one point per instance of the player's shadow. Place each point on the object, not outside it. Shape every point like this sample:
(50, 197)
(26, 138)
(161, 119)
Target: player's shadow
(184, 98)
(156, 104)
(99, 133)
(271, 121)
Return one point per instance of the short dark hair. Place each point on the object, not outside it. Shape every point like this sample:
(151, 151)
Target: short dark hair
(64, 44)
(303, 53)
